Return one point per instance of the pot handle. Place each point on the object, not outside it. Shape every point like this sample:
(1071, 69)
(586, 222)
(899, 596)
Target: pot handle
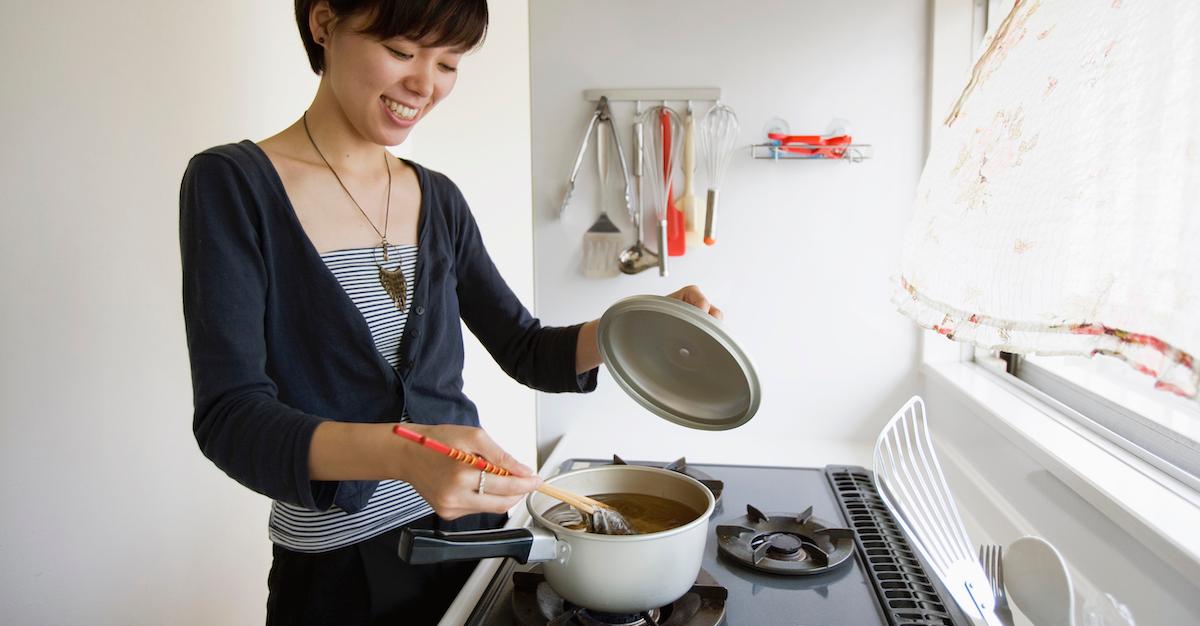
(420, 546)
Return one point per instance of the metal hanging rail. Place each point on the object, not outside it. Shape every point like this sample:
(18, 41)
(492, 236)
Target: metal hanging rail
(697, 94)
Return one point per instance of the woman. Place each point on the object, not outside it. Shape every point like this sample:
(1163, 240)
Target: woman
(323, 285)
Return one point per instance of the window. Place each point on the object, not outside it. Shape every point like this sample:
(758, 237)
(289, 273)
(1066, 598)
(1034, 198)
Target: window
(955, 287)
(1120, 404)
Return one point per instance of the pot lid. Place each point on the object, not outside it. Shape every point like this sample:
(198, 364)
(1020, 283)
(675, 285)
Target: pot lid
(679, 363)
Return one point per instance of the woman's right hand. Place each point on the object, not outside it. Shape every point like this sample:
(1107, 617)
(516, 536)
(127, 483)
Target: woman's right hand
(451, 486)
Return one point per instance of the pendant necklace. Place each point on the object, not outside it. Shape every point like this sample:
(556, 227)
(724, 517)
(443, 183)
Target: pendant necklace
(393, 281)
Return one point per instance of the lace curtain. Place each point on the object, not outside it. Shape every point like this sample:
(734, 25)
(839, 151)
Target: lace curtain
(1059, 209)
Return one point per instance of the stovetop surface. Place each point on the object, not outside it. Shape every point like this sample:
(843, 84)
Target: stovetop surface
(840, 597)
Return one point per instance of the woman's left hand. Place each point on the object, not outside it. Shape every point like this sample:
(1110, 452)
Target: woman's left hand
(692, 295)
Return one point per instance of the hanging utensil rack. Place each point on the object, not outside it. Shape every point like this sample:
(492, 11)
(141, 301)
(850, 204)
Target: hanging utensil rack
(652, 96)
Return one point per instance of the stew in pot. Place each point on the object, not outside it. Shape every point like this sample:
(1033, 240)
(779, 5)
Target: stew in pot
(645, 513)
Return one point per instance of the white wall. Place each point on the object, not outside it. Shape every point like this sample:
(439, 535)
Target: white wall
(111, 514)
(806, 249)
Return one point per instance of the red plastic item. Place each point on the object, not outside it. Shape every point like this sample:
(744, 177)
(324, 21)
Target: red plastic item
(676, 225)
(812, 145)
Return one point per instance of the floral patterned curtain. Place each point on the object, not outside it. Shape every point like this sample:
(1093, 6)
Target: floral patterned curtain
(1059, 208)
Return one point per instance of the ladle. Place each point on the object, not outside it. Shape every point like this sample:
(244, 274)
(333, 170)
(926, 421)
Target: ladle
(637, 258)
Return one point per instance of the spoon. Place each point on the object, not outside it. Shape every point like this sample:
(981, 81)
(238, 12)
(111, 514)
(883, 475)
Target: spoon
(637, 258)
(1038, 582)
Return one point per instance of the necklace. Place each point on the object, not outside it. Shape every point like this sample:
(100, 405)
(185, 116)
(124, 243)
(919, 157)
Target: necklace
(393, 281)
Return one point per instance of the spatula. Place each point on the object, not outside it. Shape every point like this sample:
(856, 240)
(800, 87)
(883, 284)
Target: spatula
(693, 224)
(602, 243)
(910, 482)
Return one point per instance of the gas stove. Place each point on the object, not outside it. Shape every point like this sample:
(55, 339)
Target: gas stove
(788, 546)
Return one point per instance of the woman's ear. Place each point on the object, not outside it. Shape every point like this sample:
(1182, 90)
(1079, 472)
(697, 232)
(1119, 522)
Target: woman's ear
(320, 21)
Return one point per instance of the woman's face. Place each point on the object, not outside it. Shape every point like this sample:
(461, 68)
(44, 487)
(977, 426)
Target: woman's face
(386, 87)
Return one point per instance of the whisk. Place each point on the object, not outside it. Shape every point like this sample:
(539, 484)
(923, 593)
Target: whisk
(909, 479)
(718, 137)
(661, 146)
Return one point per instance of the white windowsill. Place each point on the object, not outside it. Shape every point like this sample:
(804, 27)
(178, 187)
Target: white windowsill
(1150, 506)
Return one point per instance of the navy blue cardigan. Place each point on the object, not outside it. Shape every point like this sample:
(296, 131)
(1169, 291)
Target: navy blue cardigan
(276, 345)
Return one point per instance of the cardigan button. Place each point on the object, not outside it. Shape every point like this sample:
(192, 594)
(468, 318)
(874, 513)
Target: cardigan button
(420, 310)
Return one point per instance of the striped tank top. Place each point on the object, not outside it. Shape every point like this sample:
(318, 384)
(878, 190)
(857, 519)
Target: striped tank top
(394, 502)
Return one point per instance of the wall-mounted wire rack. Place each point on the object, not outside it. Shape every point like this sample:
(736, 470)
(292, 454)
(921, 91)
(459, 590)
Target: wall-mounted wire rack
(850, 153)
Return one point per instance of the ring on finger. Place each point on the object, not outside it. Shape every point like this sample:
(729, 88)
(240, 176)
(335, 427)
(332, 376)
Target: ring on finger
(482, 480)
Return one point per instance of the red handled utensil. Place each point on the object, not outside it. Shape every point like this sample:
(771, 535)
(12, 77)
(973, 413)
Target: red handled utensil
(473, 460)
(605, 518)
(676, 224)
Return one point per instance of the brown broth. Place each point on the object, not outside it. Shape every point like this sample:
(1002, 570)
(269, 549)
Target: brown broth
(645, 513)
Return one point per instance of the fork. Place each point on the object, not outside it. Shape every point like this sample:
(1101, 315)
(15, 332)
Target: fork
(991, 558)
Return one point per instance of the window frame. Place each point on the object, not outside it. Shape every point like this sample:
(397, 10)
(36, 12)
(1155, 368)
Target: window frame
(1138, 435)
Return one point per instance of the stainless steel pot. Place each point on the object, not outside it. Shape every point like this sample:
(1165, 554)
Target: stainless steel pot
(610, 573)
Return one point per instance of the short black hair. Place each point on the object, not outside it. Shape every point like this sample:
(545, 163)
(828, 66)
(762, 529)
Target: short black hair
(453, 23)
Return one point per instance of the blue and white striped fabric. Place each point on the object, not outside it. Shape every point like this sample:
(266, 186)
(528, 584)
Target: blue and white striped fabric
(394, 502)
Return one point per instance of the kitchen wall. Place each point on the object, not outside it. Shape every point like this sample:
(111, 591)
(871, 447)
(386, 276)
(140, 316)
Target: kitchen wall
(111, 514)
(806, 249)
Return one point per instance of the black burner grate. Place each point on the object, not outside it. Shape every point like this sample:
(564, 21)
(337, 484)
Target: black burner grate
(785, 543)
(907, 594)
(681, 465)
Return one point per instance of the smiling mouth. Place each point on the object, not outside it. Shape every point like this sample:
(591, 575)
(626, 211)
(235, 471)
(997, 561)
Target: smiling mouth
(401, 111)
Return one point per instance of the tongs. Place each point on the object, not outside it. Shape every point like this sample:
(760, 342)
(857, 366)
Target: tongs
(602, 115)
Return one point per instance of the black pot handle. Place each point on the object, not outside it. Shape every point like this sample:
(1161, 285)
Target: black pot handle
(420, 546)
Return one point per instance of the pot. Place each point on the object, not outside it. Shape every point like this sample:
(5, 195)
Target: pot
(608, 573)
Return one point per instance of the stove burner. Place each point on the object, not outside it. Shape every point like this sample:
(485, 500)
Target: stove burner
(680, 465)
(782, 546)
(785, 543)
(535, 603)
(596, 618)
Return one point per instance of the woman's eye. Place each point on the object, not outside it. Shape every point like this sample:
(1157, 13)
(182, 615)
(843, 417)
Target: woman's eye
(448, 68)
(399, 55)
